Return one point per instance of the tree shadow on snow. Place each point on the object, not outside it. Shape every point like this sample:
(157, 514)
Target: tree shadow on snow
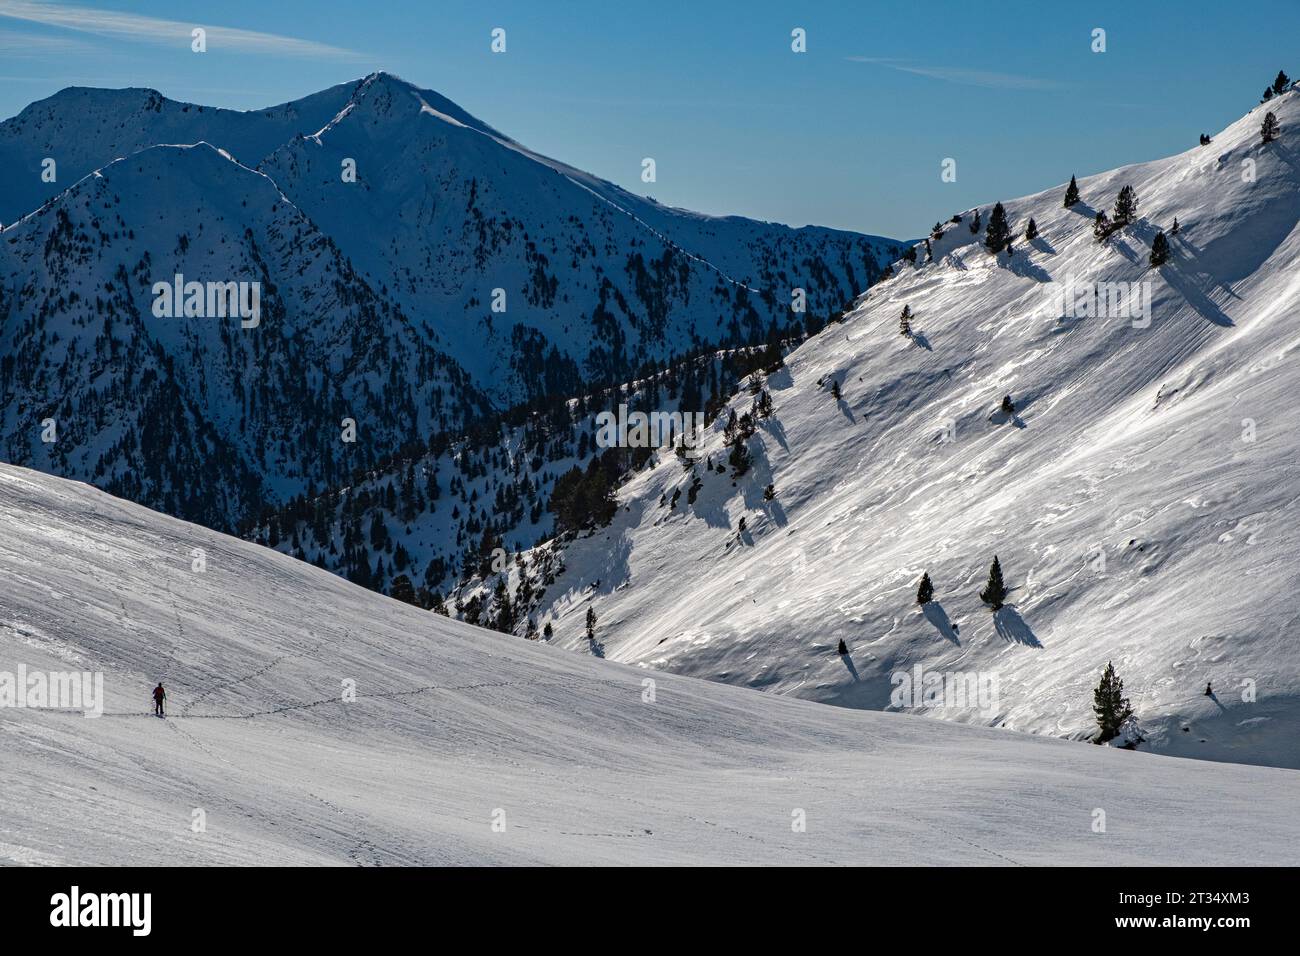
(1021, 265)
(920, 339)
(1187, 287)
(844, 409)
(777, 512)
(1042, 245)
(1011, 627)
(1000, 417)
(848, 662)
(936, 615)
(774, 428)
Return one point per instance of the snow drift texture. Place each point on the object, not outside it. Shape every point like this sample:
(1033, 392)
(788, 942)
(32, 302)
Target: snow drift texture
(1142, 498)
(454, 728)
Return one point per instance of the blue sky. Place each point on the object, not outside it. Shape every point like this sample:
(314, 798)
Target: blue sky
(849, 134)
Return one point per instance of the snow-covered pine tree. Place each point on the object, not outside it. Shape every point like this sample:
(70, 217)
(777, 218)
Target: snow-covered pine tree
(905, 321)
(1270, 130)
(925, 593)
(1159, 250)
(1126, 205)
(1071, 193)
(994, 592)
(1110, 705)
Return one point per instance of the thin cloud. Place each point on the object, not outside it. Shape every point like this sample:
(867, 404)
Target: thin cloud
(985, 78)
(132, 26)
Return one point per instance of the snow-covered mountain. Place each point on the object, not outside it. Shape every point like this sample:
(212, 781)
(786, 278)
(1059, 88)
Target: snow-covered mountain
(461, 746)
(443, 210)
(379, 292)
(594, 281)
(82, 129)
(202, 415)
(1141, 496)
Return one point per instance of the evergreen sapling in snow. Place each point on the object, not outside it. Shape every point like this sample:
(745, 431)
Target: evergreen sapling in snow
(1031, 230)
(1269, 131)
(994, 592)
(925, 593)
(1110, 705)
(1071, 193)
(1126, 205)
(998, 234)
(1159, 250)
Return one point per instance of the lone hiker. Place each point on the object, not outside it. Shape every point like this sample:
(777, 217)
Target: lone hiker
(159, 695)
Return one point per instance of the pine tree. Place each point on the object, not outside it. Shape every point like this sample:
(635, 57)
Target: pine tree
(994, 592)
(1270, 129)
(925, 593)
(905, 321)
(548, 632)
(1173, 230)
(769, 492)
(1281, 83)
(1268, 94)
(975, 223)
(1008, 406)
(591, 624)
(1071, 193)
(1101, 226)
(1110, 705)
(835, 389)
(1031, 230)
(998, 234)
(1126, 205)
(1159, 250)
(843, 649)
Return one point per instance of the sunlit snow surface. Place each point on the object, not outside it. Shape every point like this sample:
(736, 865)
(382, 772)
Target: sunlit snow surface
(454, 728)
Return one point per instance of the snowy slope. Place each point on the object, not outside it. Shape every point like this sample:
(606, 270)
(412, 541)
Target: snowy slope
(452, 725)
(1142, 499)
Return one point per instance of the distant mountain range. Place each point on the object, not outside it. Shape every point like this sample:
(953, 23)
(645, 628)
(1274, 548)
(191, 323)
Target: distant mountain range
(417, 271)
